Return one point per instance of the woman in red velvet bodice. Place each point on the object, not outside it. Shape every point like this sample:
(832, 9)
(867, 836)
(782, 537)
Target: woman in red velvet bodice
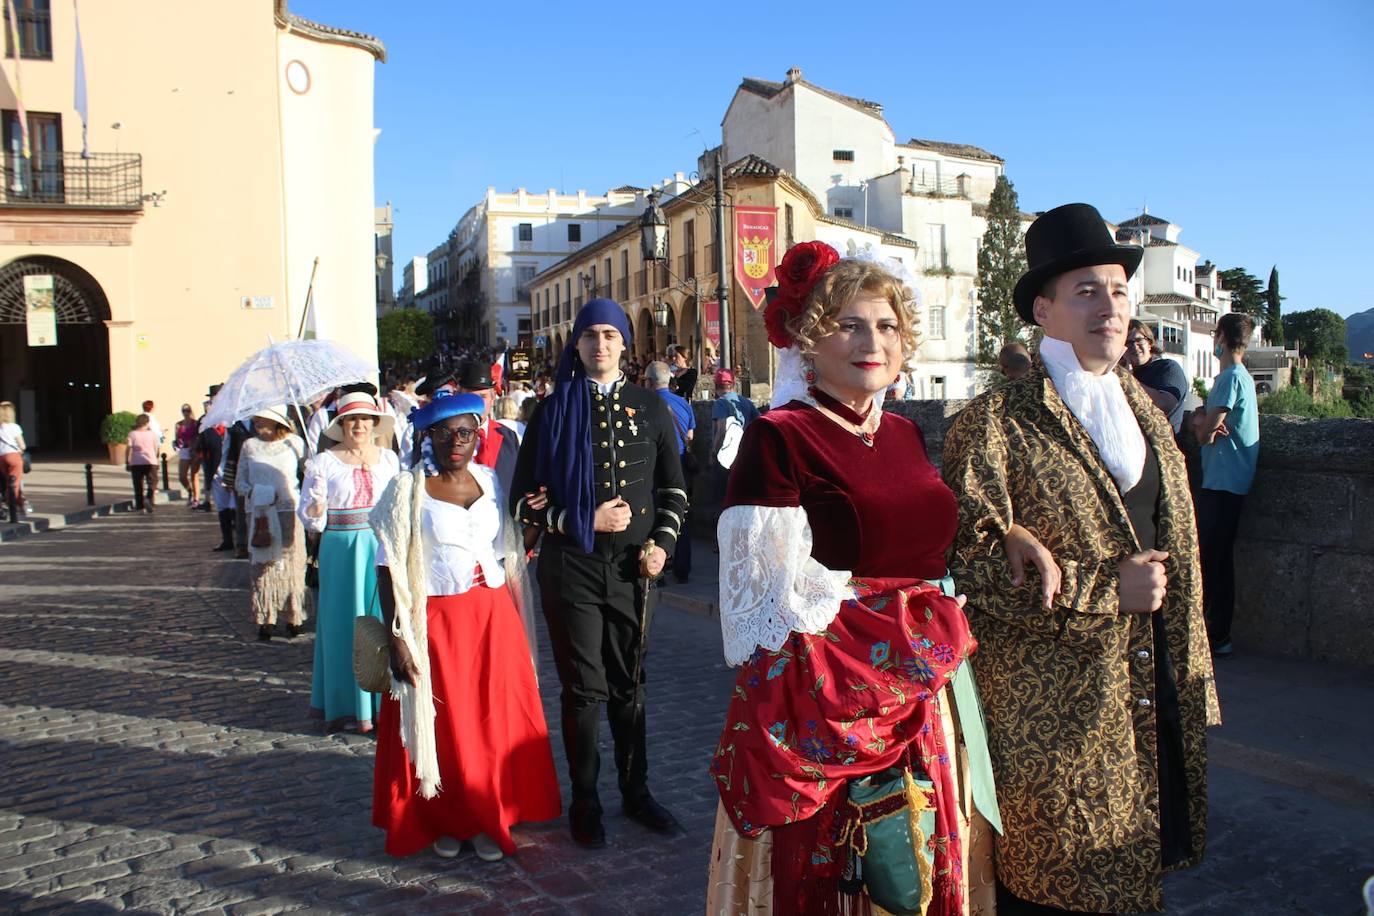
(880, 511)
(835, 603)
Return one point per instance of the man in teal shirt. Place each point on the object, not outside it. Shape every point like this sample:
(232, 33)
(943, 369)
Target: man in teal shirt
(1228, 429)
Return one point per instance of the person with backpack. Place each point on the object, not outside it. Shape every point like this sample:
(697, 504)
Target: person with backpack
(730, 414)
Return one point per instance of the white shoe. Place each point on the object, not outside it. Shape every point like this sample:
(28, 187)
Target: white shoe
(486, 848)
(446, 847)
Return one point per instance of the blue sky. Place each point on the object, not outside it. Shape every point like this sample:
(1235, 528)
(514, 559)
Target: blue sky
(1250, 125)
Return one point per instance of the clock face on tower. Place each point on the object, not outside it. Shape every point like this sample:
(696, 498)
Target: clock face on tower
(298, 77)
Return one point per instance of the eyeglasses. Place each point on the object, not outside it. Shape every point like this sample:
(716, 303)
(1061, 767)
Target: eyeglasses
(1137, 341)
(463, 434)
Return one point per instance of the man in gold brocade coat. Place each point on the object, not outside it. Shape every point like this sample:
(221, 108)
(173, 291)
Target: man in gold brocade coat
(1095, 674)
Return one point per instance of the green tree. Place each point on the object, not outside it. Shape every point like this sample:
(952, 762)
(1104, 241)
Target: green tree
(405, 334)
(1246, 294)
(1273, 311)
(1319, 334)
(1001, 262)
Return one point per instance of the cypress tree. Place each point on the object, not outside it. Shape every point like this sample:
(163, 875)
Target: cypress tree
(1001, 262)
(1273, 312)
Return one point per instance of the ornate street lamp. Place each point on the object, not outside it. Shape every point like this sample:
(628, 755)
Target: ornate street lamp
(660, 313)
(653, 231)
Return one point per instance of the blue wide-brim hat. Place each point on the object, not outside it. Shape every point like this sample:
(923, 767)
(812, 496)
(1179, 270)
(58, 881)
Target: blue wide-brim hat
(445, 405)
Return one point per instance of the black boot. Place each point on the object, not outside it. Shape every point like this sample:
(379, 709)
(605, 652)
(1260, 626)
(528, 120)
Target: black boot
(584, 765)
(226, 530)
(265, 632)
(632, 763)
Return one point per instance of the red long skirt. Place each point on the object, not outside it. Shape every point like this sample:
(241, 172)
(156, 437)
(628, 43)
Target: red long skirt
(495, 763)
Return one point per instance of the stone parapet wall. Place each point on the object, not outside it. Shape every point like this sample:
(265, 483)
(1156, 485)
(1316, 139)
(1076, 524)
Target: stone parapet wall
(1305, 551)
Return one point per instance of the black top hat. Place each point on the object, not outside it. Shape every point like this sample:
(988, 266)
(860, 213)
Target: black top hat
(433, 383)
(1064, 239)
(475, 375)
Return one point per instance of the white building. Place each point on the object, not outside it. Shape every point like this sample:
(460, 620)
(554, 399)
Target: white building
(1179, 298)
(501, 243)
(928, 192)
(412, 271)
(433, 296)
(381, 244)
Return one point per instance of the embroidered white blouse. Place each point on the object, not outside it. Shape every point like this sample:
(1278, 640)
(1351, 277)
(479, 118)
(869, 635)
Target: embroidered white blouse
(340, 485)
(458, 541)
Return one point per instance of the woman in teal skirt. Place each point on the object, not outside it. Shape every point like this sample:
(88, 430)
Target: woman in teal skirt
(341, 485)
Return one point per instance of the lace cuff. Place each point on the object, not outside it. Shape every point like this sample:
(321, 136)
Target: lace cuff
(769, 583)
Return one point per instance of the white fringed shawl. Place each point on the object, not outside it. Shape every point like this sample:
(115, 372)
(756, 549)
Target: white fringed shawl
(396, 520)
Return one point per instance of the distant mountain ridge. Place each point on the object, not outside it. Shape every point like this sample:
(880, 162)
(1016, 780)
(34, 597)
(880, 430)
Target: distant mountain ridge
(1359, 335)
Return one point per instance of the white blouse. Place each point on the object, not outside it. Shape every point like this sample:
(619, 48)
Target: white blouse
(332, 481)
(459, 540)
(267, 472)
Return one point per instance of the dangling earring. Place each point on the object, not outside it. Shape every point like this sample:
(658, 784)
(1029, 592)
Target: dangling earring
(810, 373)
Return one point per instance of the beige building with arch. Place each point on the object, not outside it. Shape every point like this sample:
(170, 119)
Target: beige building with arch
(230, 145)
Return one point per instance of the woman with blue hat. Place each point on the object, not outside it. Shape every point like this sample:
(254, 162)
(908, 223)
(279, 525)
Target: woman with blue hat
(462, 748)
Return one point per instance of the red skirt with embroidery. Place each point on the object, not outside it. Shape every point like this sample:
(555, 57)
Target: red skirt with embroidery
(856, 699)
(495, 763)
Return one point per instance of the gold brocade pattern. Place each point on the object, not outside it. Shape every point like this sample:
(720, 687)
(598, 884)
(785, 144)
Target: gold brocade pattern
(1069, 693)
(741, 875)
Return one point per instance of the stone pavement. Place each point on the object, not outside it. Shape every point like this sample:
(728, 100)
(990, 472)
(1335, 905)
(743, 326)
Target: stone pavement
(57, 490)
(157, 759)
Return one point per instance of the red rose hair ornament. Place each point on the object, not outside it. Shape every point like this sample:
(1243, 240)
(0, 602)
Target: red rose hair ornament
(801, 269)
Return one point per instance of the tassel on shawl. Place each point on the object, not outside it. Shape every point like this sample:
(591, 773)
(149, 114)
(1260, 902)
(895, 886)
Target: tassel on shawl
(396, 520)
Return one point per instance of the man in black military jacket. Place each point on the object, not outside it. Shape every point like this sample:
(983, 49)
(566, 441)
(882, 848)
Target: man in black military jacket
(601, 548)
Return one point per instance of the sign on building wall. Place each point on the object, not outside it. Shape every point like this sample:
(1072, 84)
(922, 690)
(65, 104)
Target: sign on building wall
(756, 234)
(40, 310)
(257, 302)
(711, 313)
(520, 365)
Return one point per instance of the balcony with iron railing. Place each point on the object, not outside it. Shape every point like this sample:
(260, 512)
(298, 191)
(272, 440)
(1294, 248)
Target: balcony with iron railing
(931, 185)
(687, 265)
(97, 181)
(622, 289)
(708, 265)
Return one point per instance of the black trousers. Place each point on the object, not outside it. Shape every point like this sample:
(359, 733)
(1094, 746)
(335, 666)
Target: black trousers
(593, 609)
(144, 476)
(1218, 518)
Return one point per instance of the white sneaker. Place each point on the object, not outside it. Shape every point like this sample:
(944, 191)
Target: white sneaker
(486, 848)
(446, 847)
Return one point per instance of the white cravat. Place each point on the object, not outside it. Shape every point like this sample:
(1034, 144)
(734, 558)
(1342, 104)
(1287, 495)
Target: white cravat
(1101, 406)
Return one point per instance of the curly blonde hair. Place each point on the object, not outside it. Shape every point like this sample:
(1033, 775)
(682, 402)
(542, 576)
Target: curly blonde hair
(838, 287)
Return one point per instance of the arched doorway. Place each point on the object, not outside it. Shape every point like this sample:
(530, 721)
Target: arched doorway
(62, 391)
(687, 327)
(644, 333)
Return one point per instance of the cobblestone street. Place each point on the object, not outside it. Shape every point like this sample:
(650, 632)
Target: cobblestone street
(157, 758)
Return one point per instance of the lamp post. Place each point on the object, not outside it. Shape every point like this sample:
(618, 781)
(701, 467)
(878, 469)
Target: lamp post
(653, 240)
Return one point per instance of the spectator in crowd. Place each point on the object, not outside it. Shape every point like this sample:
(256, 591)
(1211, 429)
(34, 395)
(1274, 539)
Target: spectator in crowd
(462, 747)
(1228, 429)
(12, 448)
(660, 379)
(153, 425)
(1163, 379)
(185, 433)
(497, 445)
(1014, 360)
(506, 411)
(684, 383)
(341, 485)
(269, 466)
(730, 415)
(143, 450)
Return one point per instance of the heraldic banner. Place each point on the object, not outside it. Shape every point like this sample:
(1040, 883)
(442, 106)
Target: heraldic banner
(756, 243)
(711, 313)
